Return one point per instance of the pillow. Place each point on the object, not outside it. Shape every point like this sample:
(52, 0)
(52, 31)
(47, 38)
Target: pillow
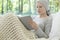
(55, 30)
(25, 20)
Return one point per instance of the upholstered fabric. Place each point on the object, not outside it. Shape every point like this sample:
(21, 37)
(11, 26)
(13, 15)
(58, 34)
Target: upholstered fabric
(55, 31)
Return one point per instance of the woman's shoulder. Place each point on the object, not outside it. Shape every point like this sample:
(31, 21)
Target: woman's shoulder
(35, 17)
(50, 17)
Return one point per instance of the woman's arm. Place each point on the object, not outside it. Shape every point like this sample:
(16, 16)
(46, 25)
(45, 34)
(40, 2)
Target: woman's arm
(48, 26)
(39, 32)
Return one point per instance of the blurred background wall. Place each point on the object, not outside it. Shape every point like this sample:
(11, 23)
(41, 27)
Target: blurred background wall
(25, 7)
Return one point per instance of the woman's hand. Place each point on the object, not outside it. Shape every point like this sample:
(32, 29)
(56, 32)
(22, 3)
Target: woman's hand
(33, 24)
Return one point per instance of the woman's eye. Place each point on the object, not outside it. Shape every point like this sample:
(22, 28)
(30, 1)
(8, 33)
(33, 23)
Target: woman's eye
(40, 6)
(37, 7)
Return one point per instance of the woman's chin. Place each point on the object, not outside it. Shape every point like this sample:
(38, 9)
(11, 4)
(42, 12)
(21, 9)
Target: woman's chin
(40, 13)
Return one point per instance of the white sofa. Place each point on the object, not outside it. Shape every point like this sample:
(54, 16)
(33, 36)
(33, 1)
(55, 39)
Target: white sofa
(55, 31)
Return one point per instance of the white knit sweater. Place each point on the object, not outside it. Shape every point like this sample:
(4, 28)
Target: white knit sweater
(44, 26)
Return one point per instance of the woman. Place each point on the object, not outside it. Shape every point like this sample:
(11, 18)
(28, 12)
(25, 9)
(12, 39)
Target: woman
(42, 23)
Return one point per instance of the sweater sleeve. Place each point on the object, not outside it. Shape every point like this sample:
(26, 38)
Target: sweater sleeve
(39, 32)
(48, 26)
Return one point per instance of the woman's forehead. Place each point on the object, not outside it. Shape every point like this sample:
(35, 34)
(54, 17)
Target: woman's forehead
(38, 3)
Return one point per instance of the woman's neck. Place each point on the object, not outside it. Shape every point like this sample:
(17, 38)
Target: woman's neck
(43, 16)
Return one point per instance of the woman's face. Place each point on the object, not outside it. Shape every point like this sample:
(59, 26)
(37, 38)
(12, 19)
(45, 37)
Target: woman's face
(40, 8)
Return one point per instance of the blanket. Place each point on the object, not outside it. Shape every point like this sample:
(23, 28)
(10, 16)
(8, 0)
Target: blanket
(12, 29)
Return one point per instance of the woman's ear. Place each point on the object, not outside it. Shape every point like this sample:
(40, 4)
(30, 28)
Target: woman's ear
(48, 12)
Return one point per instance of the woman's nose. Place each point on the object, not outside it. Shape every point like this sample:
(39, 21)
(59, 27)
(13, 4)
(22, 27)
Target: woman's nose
(39, 9)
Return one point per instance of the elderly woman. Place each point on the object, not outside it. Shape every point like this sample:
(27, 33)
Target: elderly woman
(42, 23)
